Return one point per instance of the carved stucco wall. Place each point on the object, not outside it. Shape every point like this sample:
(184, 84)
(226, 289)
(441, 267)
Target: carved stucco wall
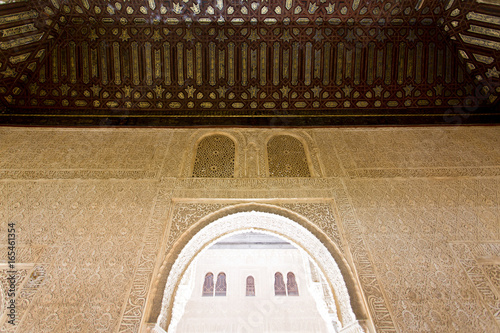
(414, 212)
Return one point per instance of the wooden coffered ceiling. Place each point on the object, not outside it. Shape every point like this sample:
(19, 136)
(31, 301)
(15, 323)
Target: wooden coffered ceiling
(246, 62)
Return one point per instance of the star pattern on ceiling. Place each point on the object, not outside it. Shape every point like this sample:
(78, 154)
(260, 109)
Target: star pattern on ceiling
(191, 57)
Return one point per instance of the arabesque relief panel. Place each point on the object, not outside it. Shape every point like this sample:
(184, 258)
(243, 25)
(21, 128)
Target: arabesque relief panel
(415, 211)
(411, 228)
(412, 152)
(91, 234)
(90, 153)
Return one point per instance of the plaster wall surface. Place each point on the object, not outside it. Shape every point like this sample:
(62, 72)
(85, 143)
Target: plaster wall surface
(414, 212)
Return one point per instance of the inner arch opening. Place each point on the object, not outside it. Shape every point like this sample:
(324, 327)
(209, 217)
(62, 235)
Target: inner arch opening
(254, 281)
(309, 248)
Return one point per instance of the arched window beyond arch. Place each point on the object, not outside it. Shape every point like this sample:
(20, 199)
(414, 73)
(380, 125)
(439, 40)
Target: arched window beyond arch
(239, 218)
(208, 285)
(279, 285)
(220, 286)
(215, 156)
(250, 286)
(291, 285)
(286, 157)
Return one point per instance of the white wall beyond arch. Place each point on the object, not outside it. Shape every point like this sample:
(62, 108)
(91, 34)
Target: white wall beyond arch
(262, 222)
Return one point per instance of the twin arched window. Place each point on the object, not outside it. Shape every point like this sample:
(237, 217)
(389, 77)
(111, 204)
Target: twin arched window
(215, 157)
(220, 285)
(291, 285)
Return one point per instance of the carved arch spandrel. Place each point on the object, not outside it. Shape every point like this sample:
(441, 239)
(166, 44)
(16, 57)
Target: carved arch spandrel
(192, 146)
(167, 291)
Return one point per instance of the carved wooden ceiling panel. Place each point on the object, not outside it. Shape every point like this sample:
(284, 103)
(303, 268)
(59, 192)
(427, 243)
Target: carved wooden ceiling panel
(25, 35)
(474, 26)
(157, 62)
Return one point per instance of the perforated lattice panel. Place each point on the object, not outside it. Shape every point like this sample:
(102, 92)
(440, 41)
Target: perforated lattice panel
(286, 157)
(215, 157)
